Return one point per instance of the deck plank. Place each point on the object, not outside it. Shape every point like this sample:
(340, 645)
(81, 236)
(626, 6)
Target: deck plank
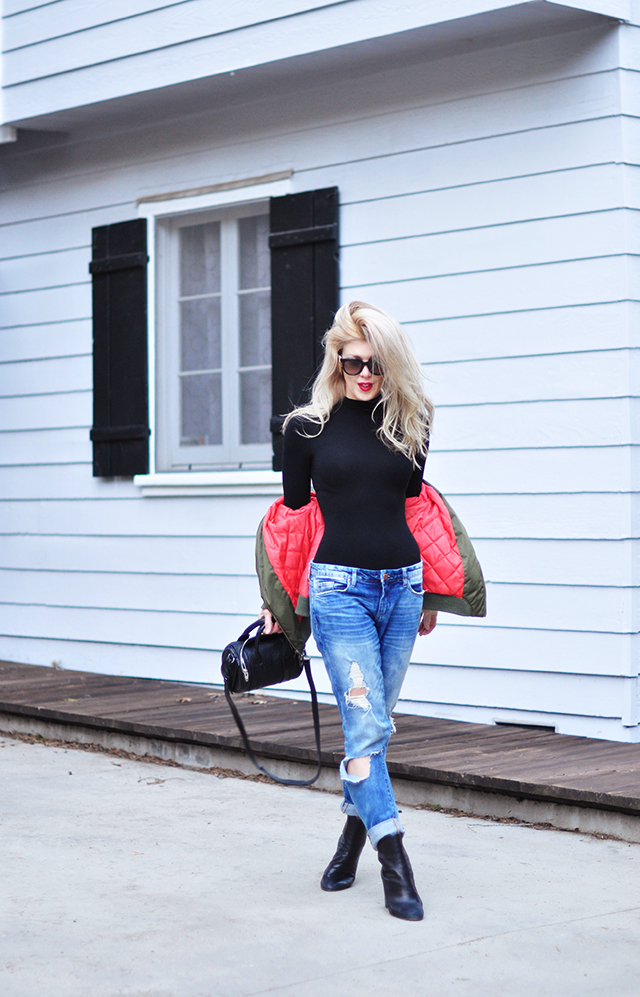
(534, 763)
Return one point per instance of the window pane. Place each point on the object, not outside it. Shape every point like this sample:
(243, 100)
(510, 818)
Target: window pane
(201, 410)
(253, 244)
(255, 405)
(200, 259)
(255, 329)
(200, 334)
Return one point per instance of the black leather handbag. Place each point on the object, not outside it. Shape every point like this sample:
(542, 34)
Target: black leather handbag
(250, 663)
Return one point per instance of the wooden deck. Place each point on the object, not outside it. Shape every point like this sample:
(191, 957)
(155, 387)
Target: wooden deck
(513, 761)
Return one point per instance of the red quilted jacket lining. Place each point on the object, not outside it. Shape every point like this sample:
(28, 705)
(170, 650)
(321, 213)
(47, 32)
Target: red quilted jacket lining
(292, 536)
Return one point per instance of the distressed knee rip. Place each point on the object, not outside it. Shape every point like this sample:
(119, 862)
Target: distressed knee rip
(356, 695)
(356, 770)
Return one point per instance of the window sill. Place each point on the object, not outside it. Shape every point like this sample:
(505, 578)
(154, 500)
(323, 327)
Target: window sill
(187, 483)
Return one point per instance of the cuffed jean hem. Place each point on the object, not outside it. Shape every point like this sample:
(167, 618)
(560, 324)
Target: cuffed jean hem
(350, 809)
(391, 826)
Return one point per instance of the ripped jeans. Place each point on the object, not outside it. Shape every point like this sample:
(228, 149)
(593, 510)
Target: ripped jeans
(365, 624)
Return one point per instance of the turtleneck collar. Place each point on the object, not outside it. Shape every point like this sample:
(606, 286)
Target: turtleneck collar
(366, 405)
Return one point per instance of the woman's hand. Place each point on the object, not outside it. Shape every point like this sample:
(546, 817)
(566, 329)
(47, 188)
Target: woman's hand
(271, 625)
(428, 622)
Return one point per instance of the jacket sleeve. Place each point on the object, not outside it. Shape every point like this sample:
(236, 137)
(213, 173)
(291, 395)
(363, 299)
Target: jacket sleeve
(274, 595)
(287, 540)
(452, 576)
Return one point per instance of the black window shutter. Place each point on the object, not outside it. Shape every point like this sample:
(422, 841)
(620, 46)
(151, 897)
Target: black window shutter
(304, 295)
(120, 432)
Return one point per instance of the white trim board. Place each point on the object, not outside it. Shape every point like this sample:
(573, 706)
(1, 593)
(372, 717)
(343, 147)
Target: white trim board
(209, 483)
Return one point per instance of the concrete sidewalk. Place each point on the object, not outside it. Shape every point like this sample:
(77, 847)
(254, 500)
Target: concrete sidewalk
(129, 879)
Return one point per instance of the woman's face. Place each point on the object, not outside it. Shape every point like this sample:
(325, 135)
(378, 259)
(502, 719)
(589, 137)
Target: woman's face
(363, 386)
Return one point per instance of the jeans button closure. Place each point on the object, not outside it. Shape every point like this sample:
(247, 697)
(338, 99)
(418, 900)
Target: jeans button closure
(385, 576)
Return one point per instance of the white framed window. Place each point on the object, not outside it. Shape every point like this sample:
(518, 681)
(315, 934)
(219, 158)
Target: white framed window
(213, 349)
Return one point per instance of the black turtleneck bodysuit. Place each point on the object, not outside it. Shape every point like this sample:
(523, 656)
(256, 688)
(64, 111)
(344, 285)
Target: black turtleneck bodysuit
(360, 484)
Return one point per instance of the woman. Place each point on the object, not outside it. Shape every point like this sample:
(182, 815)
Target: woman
(363, 441)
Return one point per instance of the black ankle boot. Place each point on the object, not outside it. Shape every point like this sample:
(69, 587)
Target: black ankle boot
(341, 871)
(400, 895)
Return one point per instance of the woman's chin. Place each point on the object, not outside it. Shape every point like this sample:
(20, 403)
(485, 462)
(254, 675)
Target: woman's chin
(363, 394)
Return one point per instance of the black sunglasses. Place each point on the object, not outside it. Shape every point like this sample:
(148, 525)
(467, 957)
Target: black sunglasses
(354, 365)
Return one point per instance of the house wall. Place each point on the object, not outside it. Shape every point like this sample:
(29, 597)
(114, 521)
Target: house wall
(69, 53)
(489, 202)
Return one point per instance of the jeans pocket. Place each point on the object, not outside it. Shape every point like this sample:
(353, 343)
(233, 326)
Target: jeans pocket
(414, 578)
(326, 584)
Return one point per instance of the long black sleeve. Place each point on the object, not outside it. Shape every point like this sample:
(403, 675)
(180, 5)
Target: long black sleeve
(296, 466)
(415, 481)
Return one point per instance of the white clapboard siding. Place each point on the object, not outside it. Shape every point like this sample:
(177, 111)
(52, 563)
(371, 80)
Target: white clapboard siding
(493, 158)
(630, 134)
(52, 339)
(420, 162)
(578, 726)
(535, 470)
(201, 593)
(165, 555)
(48, 269)
(51, 304)
(497, 202)
(630, 91)
(497, 247)
(575, 328)
(58, 409)
(597, 374)
(537, 649)
(210, 53)
(73, 482)
(630, 43)
(112, 30)
(201, 665)
(560, 562)
(34, 377)
(161, 629)
(58, 446)
(599, 609)
(583, 564)
(37, 24)
(575, 516)
(28, 22)
(565, 653)
(598, 516)
(417, 165)
(465, 120)
(549, 285)
(32, 236)
(552, 562)
(468, 119)
(129, 516)
(30, 205)
(599, 422)
(597, 696)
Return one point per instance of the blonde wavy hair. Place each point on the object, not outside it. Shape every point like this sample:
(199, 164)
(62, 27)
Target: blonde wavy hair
(407, 413)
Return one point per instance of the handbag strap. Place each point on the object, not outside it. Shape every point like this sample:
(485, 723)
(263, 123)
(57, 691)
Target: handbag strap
(316, 729)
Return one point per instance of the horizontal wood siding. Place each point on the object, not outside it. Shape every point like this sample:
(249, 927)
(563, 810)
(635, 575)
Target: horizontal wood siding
(491, 203)
(57, 54)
